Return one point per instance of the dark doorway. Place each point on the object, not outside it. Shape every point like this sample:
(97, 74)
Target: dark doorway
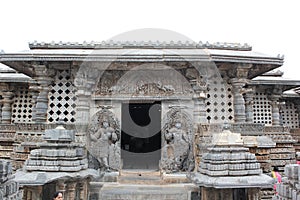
(141, 135)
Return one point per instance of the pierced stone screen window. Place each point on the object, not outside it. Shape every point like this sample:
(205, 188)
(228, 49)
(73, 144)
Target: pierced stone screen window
(262, 109)
(22, 106)
(219, 106)
(289, 115)
(62, 98)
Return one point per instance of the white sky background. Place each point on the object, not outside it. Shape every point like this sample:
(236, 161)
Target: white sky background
(269, 26)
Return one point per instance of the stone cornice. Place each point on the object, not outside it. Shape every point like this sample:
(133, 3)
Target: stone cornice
(140, 44)
(139, 56)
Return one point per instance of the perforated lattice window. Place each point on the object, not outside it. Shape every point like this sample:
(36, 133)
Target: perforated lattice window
(219, 106)
(62, 98)
(22, 106)
(262, 109)
(289, 115)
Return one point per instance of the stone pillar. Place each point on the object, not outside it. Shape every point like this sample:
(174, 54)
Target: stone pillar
(71, 191)
(275, 110)
(44, 80)
(6, 108)
(83, 190)
(34, 100)
(249, 106)
(61, 186)
(238, 99)
(199, 101)
(82, 112)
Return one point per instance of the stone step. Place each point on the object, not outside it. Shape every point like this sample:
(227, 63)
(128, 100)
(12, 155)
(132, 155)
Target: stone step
(140, 177)
(115, 191)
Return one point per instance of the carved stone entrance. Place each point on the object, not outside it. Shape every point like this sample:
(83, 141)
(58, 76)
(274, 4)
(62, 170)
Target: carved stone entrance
(141, 135)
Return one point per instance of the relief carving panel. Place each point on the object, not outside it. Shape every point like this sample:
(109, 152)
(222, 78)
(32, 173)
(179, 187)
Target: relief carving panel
(166, 82)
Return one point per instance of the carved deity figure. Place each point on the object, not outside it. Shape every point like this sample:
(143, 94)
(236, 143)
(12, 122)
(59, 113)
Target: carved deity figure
(178, 146)
(104, 139)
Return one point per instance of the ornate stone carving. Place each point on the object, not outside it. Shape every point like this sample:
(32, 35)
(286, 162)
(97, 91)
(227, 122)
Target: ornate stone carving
(104, 139)
(143, 82)
(177, 148)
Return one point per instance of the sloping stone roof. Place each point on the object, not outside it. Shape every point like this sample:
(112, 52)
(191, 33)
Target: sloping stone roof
(9, 75)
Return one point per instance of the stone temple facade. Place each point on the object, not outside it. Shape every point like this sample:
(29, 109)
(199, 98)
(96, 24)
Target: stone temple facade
(146, 120)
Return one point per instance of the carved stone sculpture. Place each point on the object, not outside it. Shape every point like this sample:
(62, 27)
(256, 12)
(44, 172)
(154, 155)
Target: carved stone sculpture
(177, 151)
(104, 135)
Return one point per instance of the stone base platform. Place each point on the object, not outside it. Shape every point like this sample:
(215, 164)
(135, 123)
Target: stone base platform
(116, 191)
(144, 185)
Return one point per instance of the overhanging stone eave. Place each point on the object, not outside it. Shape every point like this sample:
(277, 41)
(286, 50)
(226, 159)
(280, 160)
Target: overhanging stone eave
(102, 58)
(254, 181)
(249, 60)
(38, 178)
(291, 96)
(286, 84)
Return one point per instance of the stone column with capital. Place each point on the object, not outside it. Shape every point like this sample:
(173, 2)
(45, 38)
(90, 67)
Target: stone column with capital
(44, 78)
(71, 190)
(238, 99)
(7, 99)
(274, 97)
(61, 186)
(85, 81)
(275, 110)
(249, 105)
(199, 101)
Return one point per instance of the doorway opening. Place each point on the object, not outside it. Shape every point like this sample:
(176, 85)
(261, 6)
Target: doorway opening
(141, 135)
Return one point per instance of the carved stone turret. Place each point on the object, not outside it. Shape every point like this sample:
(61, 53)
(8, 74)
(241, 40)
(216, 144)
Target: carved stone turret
(59, 161)
(229, 169)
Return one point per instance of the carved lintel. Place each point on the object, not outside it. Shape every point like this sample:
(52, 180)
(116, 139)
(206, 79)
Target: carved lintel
(105, 106)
